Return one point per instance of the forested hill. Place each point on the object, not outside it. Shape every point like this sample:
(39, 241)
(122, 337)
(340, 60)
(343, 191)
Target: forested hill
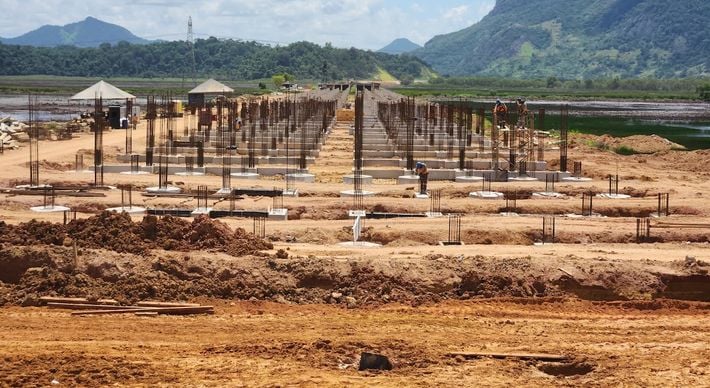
(580, 39)
(89, 32)
(214, 58)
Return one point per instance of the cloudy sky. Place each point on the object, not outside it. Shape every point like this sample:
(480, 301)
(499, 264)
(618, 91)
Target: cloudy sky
(368, 24)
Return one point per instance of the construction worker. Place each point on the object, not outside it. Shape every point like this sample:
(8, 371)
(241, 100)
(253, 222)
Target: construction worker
(522, 112)
(501, 112)
(421, 170)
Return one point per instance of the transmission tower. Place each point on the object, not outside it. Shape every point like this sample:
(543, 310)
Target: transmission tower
(191, 48)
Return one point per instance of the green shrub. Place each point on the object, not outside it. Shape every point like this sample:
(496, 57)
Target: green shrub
(624, 150)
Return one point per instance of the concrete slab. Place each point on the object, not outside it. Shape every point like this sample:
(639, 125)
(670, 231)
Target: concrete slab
(486, 195)
(163, 190)
(201, 211)
(407, 179)
(468, 179)
(302, 177)
(548, 194)
(245, 175)
(128, 209)
(278, 214)
(50, 209)
(576, 179)
(291, 193)
(350, 179)
(613, 196)
(352, 193)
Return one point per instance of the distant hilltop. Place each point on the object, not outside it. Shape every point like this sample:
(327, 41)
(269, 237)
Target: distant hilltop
(400, 46)
(90, 32)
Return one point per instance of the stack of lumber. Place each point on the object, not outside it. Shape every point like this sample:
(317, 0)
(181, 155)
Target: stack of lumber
(109, 306)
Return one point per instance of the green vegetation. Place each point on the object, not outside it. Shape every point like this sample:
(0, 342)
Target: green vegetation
(552, 87)
(279, 79)
(225, 59)
(625, 150)
(43, 84)
(704, 92)
(579, 39)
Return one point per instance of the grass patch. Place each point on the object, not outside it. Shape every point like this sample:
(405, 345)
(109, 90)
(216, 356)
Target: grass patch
(625, 150)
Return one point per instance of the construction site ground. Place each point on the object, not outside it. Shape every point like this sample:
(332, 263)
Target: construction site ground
(301, 310)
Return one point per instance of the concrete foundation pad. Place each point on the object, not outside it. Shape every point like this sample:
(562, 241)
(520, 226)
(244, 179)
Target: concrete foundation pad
(356, 213)
(434, 214)
(548, 194)
(486, 195)
(468, 179)
(278, 214)
(245, 175)
(128, 209)
(201, 211)
(576, 179)
(523, 179)
(572, 215)
(135, 173)
(30, 187)
(364, 179)
(614, 196)
(186, 173)
(163, 190)
(224, 191)
(352, 193)
(50, 209)
(291, 193)
(407, 179)
(360, 245)
(421, 196)
(302, 177)
(510, 214)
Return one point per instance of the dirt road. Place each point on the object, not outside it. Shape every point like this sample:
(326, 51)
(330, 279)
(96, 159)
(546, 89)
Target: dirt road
(267, 344)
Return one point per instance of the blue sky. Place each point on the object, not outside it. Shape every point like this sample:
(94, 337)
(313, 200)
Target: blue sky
(368, 24)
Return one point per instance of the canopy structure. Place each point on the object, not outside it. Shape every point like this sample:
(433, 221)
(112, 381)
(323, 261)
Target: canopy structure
(102, 90)
(211, 87)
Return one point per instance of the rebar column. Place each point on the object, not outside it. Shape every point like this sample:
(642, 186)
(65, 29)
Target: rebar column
(33, 132)
(98, 142)
(564, 127)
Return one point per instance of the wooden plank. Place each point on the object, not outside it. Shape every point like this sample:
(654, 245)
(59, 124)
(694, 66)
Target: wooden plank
(159, 310)
(146, 314)
(165, 304)
(82, 306)
(521, 356)
(57, 299)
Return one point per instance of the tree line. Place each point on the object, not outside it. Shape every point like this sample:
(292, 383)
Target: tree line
(228, 59)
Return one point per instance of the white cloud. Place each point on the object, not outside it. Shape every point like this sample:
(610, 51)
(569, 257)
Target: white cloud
(345, 23)
(456, 12)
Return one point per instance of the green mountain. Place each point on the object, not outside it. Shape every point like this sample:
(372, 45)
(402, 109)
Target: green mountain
(579, 39)
(400, 46)
(227, 59)
(89, 32)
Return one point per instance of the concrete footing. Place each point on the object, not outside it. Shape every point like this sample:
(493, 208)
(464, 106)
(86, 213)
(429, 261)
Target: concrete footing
(364, 179)
(128, 209)
(50, 209)
(486, 195)
(352, 193)
(163, 190)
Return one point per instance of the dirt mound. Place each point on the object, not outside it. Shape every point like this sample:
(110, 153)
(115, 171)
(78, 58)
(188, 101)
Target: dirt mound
(117, 232)
(29, 272)
(643, 144)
